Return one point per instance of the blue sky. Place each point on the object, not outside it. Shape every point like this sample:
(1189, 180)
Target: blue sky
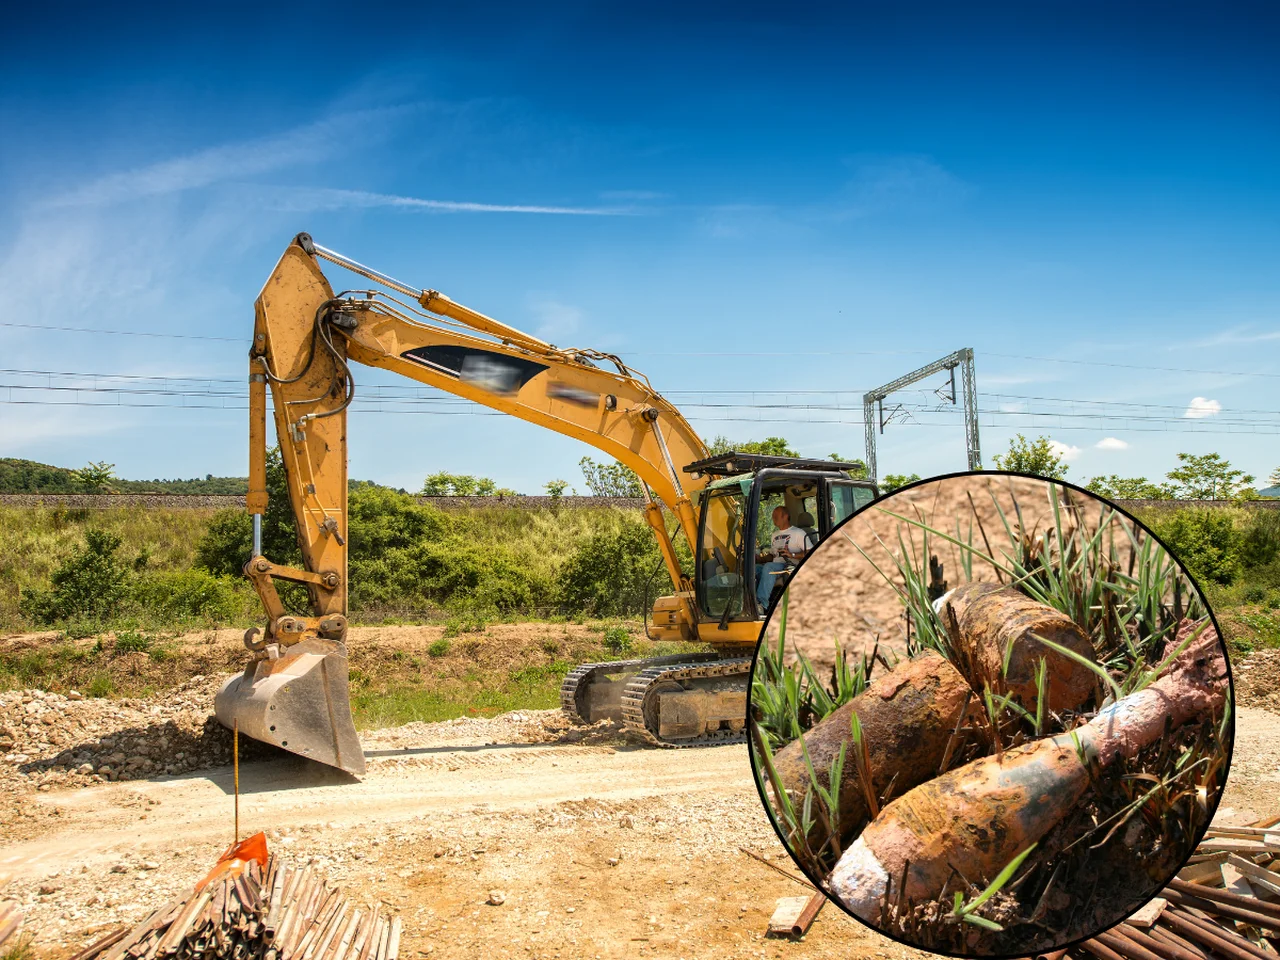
(802, 206)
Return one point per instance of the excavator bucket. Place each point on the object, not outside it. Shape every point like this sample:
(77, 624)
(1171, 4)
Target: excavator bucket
(298, 702)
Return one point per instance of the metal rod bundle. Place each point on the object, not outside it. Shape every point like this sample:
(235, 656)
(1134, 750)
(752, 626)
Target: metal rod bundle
(282, 912)
(1198, 917)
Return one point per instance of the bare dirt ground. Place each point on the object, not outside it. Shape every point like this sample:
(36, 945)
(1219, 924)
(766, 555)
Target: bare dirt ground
(601, 848)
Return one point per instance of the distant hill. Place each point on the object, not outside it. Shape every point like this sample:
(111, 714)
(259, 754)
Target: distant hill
(28, 476)
(1270, 491)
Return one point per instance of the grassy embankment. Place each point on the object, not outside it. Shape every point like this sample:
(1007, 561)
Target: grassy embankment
(175, 620)
(463, 656)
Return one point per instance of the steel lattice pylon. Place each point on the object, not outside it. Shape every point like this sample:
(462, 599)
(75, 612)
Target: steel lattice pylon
(873, 404)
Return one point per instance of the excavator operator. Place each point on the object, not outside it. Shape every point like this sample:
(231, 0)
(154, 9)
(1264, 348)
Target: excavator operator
(789, 546)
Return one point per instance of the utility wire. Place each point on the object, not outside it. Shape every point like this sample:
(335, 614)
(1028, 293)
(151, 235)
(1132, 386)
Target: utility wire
(431, 393)
(802, 353)
(122, 333)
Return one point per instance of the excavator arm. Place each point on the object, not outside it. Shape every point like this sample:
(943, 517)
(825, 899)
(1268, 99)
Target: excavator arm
(305, 341)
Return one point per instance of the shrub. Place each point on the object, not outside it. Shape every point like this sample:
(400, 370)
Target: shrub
(228, 541)
(101, 685)
(91, 584)
(226, 544)
(1205, 541)
(128, 641)
(439, 648)
(191, 595)
(1260, 538)
(608, 573)
(617, 640)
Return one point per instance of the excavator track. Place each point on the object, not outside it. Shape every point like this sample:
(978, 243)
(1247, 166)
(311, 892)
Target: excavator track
(575, 692)
(713, 682)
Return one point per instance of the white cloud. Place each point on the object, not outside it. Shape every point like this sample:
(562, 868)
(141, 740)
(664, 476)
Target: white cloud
(556, 320)
(306, 144)
(333, 199)
(632, 195)
(903, 182)
(1200, 408)
(1111, 443)
(34, 430)
(1064, 450)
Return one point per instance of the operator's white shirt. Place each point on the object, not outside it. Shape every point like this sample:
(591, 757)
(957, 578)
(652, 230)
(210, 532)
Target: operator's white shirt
(792, 538)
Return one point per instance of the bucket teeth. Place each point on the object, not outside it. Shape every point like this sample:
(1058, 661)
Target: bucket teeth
(298, 702)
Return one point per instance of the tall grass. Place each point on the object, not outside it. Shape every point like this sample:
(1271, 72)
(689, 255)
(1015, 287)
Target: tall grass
(34, 541)
(160, 543)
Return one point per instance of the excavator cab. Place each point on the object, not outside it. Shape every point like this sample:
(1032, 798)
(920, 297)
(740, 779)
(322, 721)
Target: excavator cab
(735, 526)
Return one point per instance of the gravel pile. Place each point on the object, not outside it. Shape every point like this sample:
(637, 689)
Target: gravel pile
(48, 740)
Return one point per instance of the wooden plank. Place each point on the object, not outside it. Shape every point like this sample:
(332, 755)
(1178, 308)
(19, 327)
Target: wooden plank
(1206, 872)
(1148, 913)
(786, 913)
(1242, 845)
(1268, 880)
(1233, 881)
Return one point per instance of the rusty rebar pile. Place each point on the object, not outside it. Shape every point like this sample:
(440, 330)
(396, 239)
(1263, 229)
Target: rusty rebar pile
(1224, 905)
(281, 913)
(10, 920)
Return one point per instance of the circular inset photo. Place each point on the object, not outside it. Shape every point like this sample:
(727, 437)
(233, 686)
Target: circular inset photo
(991, 715)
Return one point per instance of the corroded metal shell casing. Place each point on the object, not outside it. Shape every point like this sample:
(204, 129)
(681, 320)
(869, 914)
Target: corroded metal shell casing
(980, 816)
(907, 717)
(988, 619)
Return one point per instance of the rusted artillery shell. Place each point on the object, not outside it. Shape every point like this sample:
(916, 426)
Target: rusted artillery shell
(907, 716)
(989, 618)
(985, 813)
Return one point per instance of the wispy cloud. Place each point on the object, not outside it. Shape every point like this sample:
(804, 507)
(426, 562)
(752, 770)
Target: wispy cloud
(30, 429)
(336, 199)
(631, 195)
(556, 320)
(1065, 450)
(1237, 337)
(908, 182)
(241, 160)
(1200, 407)
(1111, 443)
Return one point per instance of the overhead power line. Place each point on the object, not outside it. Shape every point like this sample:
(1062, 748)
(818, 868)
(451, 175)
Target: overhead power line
(726, 353)
(122, 333)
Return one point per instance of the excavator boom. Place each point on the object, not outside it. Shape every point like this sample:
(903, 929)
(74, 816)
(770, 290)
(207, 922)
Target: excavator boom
(294, 692)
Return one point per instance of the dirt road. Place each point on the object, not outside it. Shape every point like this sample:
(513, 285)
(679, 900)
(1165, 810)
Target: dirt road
(601, 849)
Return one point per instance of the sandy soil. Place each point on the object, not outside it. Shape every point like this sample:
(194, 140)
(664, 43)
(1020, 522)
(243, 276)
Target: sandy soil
(838, 595)
(602, 849)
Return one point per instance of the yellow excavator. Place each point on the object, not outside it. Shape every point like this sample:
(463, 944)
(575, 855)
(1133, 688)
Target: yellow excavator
(294, 693)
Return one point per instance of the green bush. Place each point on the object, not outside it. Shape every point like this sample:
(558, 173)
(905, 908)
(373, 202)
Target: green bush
(608, 573)
(90, 584)
(617, 640)
(128, 641)
(439, 648)
(184, 595)
(228, 541)
(1260, 538)
(1205, 541)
